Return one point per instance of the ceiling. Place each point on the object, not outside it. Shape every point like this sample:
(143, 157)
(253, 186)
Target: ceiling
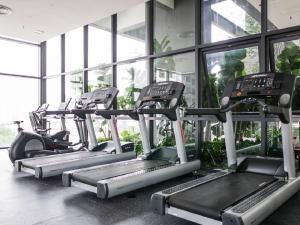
(39, 20)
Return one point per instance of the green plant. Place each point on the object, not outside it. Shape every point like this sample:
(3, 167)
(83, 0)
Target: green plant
(6, 136)
(133, 137)
(213, 154)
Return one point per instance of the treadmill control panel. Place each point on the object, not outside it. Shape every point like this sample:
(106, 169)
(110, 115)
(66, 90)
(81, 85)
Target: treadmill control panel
(168, 92)
(105, 96)
(260, 86)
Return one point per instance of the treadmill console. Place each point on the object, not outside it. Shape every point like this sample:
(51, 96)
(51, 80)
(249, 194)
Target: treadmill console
(168, 92)
(260, 86)
(84, 101)
(105, 96)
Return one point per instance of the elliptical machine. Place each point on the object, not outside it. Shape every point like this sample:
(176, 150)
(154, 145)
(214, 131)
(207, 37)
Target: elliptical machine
(40, 143)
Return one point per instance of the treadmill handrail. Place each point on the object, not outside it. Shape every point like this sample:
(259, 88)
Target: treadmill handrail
(82, 111)
(169, 113)
(58, 112)
(117, 112)
(207, 111)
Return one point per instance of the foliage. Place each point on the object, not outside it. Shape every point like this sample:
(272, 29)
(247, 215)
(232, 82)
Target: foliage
(167, 62)
(289, 62)
(6, 136)
(128, 100)
(213, 154)
(133, 137)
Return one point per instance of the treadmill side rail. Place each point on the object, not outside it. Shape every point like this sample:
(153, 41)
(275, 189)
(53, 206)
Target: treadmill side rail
(260, 211)
(111, 188)
(53, 169)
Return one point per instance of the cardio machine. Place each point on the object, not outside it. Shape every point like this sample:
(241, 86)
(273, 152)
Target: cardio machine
(155, 165)
(250, 191)
(29, 144)
(94, 154)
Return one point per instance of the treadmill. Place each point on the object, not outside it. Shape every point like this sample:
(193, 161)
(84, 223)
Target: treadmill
(155, 165)
(248, 192)
(47, 166)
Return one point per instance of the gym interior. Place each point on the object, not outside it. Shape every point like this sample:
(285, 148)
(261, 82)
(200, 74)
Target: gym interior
(158, 112)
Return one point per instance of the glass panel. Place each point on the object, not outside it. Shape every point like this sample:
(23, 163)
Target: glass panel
(227, 19)
(131, 78)
(174, 25)
(282, 14)
(74, 50)
(53, 92)
(131, 33)
(247, 138)
(287, 60)
(180, 68)
(223, 66)
(17, 105)
(74, 87)
(53, 56)
(100, 78)
(17, 58)
(100, 42)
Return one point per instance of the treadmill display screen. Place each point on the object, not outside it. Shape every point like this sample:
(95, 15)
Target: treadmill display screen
(168, 92)
(262, 85)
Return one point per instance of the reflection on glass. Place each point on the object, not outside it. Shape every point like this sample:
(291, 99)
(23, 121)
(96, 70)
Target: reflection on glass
(100, 42)
(131, 33)
(227, 19)
(74, 87)
(74, 50)
(287, 60)
(174, 25)
(17, 58)
(100, 78)
(17, 106)
(53, 56)
(223, 66)
(53, 92)
(180, 68)
(283, 14)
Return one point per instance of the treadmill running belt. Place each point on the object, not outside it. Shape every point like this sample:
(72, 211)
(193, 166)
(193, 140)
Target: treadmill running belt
(209, 199)
(94, 175)
(60, 158)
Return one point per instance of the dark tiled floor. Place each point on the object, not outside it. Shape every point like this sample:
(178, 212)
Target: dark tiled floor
(27, 201)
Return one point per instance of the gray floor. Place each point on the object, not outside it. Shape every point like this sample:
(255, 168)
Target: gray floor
(27, 201)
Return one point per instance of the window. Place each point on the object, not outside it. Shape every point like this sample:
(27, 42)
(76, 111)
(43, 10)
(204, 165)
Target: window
(18, 103)
(227, 19)
(100, 42)
(180, 68)
(100, 78)
(131, 33)
(131, 78)
(53, 56)
(174, 25)
(283, 14)
(287, 57)
(223, 66)
(74, 86)
(247, 140)
(18, 58)
(74, 50)
(53, 92)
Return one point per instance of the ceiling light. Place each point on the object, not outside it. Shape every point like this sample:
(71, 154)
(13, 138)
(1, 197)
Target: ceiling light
(39, 32)
(4, 10)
